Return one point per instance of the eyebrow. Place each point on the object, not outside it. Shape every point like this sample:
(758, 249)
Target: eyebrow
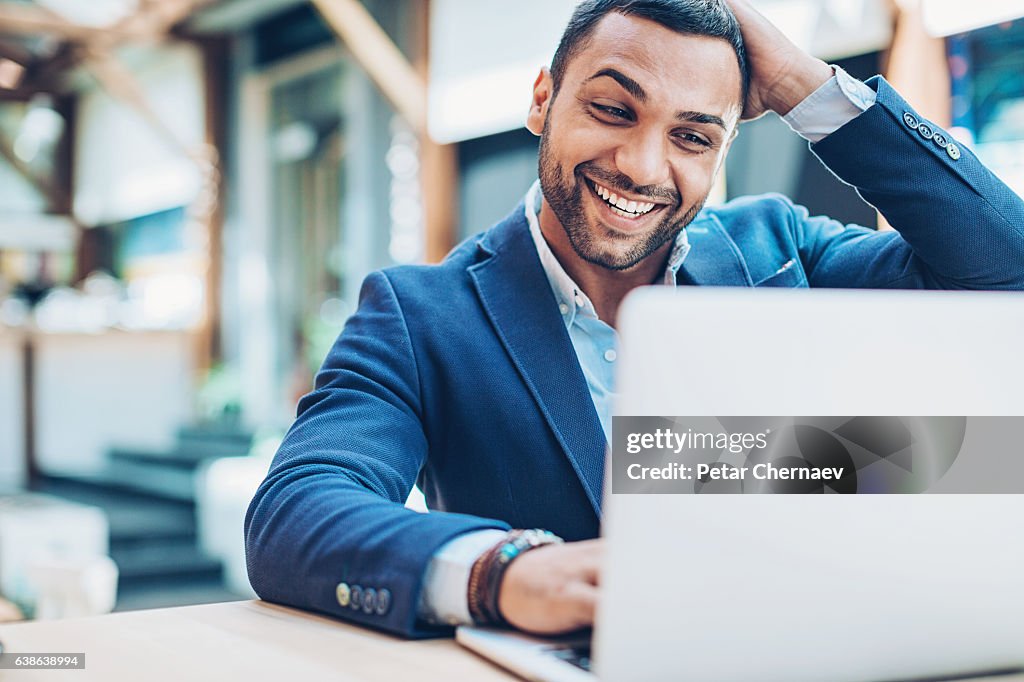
(637, 91)
(627, 83)
(698, 117)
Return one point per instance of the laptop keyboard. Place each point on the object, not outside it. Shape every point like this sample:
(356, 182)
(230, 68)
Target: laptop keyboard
(578, 656)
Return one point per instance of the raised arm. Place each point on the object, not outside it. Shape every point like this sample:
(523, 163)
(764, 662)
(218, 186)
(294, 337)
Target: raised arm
(958, 226)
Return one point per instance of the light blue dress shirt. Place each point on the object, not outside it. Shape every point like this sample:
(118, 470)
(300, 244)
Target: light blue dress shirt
(594, 340)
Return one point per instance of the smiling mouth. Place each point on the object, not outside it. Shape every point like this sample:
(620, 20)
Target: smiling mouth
(622, 206)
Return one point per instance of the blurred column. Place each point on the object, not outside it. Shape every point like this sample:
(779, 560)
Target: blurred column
(28, 383)
(404, 85)
(440, 171)
(209, 208)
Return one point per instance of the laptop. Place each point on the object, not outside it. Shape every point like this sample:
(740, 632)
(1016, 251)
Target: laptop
(804, 588)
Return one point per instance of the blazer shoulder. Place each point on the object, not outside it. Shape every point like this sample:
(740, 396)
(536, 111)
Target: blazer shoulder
(409, 281)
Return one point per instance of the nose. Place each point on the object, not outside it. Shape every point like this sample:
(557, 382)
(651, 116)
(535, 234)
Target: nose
(644, 158)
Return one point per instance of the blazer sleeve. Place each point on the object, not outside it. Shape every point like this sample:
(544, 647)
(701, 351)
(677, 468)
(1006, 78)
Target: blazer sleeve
(957, 225)
(331, 509)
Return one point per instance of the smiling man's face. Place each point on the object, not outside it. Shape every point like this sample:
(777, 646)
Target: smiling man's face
(631, 144)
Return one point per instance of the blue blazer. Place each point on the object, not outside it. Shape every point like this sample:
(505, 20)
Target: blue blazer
(461, 376)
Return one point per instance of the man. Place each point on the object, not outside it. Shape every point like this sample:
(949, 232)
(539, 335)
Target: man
(486, 379)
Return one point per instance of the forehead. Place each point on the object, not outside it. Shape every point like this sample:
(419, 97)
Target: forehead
(686, 70)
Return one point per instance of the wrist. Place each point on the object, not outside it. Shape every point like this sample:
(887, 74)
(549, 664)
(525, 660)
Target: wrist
(488, 571)
(798, 84)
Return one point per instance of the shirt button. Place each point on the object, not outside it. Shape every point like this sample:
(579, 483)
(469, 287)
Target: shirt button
(911, 121)
(953, 151)
(563, 308)
(925, 131)
(610, 355)
(579, 301)
(342, 593)
(356, 597)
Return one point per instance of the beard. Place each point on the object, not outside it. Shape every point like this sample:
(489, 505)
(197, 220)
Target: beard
(564, 194)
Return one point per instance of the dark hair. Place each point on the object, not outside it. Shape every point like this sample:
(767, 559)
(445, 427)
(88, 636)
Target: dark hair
(692, 17)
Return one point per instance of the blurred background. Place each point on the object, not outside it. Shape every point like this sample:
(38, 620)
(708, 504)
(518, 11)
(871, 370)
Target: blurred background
(191, 193)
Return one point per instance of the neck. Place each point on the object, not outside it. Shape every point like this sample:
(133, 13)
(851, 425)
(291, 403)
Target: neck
(605, 288)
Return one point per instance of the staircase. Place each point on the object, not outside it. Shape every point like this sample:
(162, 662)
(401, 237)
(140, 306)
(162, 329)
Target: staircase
(149, 500)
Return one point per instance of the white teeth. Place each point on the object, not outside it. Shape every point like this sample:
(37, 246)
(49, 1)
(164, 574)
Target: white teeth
(621, 205)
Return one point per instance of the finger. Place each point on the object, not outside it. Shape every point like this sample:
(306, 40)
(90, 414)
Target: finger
(592, 560)
(582, 602)
(589, 568)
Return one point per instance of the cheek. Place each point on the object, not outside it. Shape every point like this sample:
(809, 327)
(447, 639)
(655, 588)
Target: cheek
(580, 139)
(695, 175)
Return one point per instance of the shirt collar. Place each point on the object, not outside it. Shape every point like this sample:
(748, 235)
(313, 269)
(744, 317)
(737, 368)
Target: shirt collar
(571, 299)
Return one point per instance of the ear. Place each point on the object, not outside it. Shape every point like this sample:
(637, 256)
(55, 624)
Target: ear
(543, 88)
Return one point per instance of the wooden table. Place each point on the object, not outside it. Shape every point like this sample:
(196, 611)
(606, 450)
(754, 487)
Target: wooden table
(245, 640)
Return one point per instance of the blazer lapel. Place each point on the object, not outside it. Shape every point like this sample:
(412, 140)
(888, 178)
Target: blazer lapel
(518, 300)
(714, 259)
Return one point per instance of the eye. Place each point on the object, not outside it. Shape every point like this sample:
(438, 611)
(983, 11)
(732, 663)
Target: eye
(605, 112)
(692, 140)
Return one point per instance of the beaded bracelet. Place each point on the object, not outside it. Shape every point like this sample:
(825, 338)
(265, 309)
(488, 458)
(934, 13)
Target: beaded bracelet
(489, 570)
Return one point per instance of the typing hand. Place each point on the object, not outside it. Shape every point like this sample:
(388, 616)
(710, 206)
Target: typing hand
(781, 74)
(552, 589)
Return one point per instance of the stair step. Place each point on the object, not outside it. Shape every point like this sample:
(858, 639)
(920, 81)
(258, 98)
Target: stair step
(143, 525)
(182, 458)
(101, 490)
(148, 479)
(133, 518)
(158, 594)
(164, 560)
(222, 436)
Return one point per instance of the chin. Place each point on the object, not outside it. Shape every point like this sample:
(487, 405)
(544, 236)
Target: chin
(609, 259)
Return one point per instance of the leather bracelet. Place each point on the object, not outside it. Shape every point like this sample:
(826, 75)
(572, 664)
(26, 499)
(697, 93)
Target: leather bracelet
(475, 592)
(488, 571)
